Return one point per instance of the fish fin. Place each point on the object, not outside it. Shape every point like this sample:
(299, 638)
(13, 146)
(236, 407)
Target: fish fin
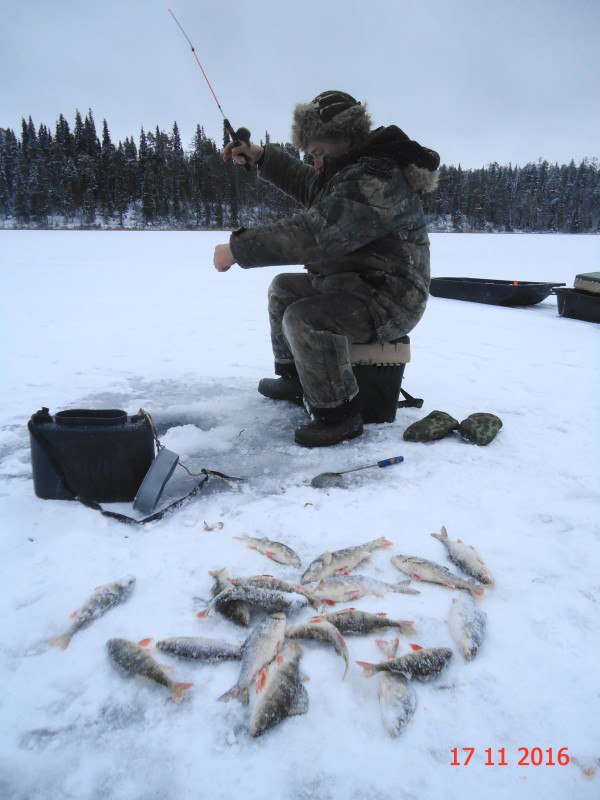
(145, 642)
(60, 641)
(178, 690)
(369, 669)
(383, 542)
(438, 537)
(261, 679)
(327, 602)
(381, 614)
(449, 585)
(215, 573)
(416, 576)
(415, 647)
(203, 614)
(74, 614)
(232, 693)
(327, 558)
(299, 704)
(319, 618)
(444, 532)
(270, 554)
(476, 591)
(402, 587)
(388, 648)
(352, 608)
(460, 541)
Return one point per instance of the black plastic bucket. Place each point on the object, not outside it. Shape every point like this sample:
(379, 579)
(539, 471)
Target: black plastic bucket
(379, 389)
(101, 455)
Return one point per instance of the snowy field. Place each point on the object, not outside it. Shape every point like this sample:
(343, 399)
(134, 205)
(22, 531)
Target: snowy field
(129, 320)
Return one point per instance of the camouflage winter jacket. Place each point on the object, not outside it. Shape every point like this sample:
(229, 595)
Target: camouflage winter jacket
(363, 230)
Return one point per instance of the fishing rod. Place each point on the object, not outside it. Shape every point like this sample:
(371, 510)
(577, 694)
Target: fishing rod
(242, 135)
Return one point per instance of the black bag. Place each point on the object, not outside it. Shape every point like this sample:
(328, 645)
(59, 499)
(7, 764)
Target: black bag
(101, 455)
(95, 456)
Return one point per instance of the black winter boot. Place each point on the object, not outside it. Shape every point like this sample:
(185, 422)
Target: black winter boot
(286, 387)
(331, 425)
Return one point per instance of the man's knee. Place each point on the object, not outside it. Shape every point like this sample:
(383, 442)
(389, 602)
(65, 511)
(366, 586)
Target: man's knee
(302, 318)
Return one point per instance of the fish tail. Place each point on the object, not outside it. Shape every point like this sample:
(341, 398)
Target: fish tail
(388, 648)
(369, 669)
(60, 641)
(236, 693)
(402, 588)
(441, 537)
(178, 690)
(214, 573)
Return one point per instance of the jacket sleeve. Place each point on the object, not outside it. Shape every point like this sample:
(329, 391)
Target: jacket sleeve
(359, 209)
(298, 180)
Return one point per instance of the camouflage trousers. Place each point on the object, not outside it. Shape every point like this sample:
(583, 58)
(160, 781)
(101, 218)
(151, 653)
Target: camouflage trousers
(313, 331)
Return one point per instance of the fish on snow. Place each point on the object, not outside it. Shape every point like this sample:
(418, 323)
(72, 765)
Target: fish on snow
(320, 629)
(467, 625)
(135, 662)
(342, 561)
(466, 558)
(279, 692)
(260, 648)
(100, 601)
(423, 570)
(342, 588)
(354, 621)
(276, 551)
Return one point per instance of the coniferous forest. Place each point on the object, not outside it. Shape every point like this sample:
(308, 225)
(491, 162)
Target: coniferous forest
(75, 177)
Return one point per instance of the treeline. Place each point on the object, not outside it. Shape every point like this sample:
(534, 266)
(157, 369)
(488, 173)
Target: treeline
(75, 178)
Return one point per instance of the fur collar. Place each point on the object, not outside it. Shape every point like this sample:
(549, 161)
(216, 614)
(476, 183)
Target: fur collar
(387, 148)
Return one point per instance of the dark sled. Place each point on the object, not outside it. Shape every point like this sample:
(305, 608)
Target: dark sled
(578, 304)
(492, 292)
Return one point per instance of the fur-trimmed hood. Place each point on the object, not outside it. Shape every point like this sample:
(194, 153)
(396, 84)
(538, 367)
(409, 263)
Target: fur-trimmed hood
(387, 148)
(311, 124)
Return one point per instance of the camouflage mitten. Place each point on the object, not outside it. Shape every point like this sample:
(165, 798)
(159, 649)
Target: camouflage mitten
(434, 426)
(480, 428)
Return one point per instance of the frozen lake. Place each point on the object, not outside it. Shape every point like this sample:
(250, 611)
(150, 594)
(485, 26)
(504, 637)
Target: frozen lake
(129, 320)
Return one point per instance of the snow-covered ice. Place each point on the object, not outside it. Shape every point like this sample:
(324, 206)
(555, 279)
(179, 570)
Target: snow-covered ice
(129, 320)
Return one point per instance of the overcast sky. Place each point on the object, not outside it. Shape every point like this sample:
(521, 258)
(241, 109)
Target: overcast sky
(477, 80)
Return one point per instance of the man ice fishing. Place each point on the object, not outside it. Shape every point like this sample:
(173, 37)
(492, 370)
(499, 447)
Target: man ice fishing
(363, 241)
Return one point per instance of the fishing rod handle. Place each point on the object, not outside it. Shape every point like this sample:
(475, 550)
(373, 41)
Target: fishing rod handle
(239, 137)
(387, 462)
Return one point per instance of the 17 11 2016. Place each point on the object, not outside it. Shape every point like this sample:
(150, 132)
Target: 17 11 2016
(527, 757)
